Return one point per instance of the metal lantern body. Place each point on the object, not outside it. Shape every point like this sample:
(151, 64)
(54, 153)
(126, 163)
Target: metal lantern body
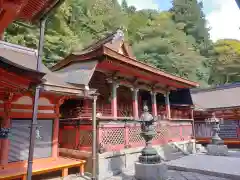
(149, 155)
(215, 122)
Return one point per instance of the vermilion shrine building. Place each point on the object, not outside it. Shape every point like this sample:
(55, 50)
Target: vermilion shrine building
(124, 85)
(17, 81)
(224, 101)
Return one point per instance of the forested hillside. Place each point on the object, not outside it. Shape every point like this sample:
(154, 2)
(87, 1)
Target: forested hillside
(176, 41)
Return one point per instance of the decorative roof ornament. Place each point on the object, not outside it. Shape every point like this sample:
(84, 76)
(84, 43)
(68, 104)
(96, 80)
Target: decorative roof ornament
(119, 35)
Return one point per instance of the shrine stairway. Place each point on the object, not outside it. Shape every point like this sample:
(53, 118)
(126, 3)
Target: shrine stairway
(171, 152)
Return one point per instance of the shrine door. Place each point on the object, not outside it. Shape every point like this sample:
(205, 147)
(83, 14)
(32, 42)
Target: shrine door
(20, 137)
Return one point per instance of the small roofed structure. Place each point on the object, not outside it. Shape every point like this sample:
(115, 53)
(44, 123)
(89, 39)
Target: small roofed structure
(18, 79)
(24, 10)
(124, 85)
(224, 102)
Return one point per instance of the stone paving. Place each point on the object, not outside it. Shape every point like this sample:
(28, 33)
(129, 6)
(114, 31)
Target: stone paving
(221, 166)
(192, 167)
(172, 174)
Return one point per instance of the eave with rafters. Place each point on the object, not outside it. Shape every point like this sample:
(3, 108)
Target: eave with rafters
(23, 10)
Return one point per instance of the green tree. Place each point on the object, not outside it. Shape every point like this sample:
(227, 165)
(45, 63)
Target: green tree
(189, 16)
(168, 48)
(226, 66)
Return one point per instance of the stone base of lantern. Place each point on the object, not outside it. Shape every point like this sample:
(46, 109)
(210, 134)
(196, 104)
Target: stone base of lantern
(217, 150)
(151, 171)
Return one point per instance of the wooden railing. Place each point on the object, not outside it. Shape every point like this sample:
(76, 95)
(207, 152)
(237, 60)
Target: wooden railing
(114, 137)
(124, 112)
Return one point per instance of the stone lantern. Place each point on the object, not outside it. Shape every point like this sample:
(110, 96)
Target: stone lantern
(215, 122)
(149, 154)
(149, 166)
(217, 147)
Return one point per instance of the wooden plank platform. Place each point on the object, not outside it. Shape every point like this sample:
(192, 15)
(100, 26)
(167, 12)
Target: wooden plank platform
(41, 166)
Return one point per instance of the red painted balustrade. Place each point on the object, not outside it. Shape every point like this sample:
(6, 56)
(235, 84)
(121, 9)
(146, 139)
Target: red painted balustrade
(115, 137)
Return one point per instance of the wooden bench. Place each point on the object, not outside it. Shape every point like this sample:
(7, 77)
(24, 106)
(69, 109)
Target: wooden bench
(19, 169)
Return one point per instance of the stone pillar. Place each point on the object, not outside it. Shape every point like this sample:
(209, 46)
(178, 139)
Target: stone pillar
(154, 103)
(167, 104)
(6, 124)
(114, 100)
(135, 103)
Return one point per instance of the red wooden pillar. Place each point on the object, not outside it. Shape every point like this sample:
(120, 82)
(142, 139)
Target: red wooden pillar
(56, 127)
(167, 104)
(6, 124)
(114, 100)
(154, 104)
(86, 105)
(55, 132)
(135, 103)
(2, 36)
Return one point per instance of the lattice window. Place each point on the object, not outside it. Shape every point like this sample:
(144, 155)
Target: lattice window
(163, 132)
(85, 138)
(68, 136)
(134, 135)
(187, 131)
(113, 136)
(175, 131)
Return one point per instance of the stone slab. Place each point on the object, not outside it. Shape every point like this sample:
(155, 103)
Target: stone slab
(217, 150)
(150, 171)
(219, 166)
(172, 175)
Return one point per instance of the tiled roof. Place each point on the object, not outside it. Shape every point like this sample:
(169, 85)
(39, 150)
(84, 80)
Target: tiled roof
(115, 47)
(219, 97)
(28, 58)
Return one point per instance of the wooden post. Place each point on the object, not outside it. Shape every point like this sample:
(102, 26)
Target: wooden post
(86, 105)
(55, 133)
(56, 128)
(6, 124)
(126, 136)
(154, 103)
(114, 100)
(135, 103)
(167, 104)
(2, 36)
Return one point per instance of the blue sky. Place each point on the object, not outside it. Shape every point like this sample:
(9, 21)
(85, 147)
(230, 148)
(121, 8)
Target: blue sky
(222, 15)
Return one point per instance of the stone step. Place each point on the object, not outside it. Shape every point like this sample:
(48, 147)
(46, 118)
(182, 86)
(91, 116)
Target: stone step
(171, 156)
(200, 148)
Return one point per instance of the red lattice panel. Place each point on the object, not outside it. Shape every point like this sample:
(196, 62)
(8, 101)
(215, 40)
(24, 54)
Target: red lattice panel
(175, 133)
(162, 135)
(68, 138)
(85, 140)
(187, 132)
(113, 138)
(135, 139)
